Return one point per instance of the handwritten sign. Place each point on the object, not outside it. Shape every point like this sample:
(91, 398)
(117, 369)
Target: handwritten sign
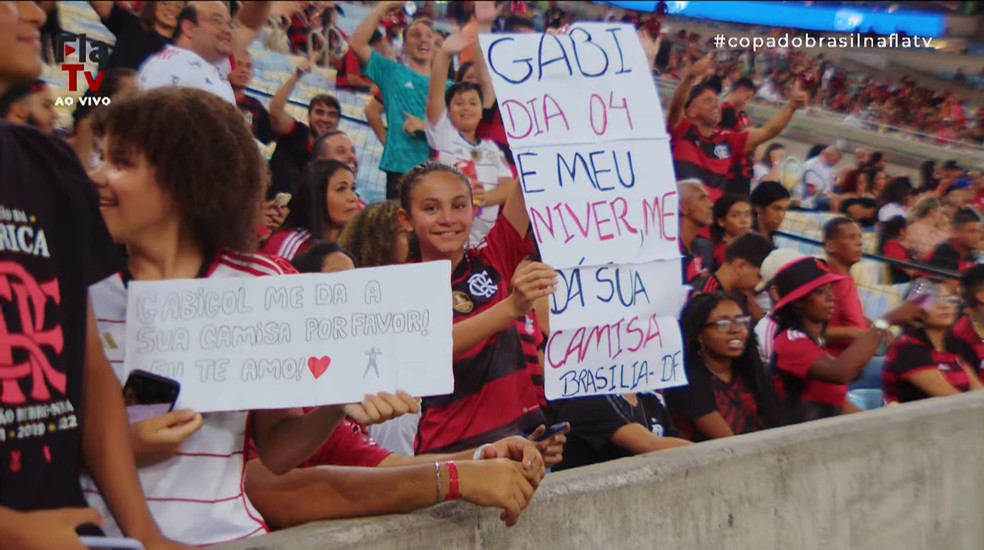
(588, 85)
(593, 204)
(592, 295)
(631, 354)
(295, 340)
(587, 131)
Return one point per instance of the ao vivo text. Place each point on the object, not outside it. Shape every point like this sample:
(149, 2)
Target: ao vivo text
(73, 52)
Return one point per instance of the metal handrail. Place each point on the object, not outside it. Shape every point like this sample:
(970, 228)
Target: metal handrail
(944, 273)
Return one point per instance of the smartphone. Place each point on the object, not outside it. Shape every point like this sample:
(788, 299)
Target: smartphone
(111, 543)
(553, 430)
(282, 199)
(147, 395)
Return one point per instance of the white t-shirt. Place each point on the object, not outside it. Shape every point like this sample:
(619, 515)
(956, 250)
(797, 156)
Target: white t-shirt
(765, 331)
(489, 163)
(174, 66)
(891, 210)
(197, 497)
(397, 435)
(818, 181)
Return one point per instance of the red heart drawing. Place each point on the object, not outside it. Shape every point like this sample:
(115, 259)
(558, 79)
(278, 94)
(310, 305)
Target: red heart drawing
(318, 365)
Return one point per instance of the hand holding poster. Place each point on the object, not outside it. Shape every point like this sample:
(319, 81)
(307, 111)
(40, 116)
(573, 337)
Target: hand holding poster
(295, 340)
(586, 128)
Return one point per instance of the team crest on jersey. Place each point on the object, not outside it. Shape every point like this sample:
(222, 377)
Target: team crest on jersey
(481, 285)
(461, 302)
(722, 151)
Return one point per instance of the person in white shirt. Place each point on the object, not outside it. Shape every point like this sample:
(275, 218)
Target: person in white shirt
(452, 121)
(819, 179)
(200, 57)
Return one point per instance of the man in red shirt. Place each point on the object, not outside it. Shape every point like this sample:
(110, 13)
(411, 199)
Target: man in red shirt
(701, 148)
(842, 243)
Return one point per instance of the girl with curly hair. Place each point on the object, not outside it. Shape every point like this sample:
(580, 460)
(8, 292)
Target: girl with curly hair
(180, 190)
(377, 236)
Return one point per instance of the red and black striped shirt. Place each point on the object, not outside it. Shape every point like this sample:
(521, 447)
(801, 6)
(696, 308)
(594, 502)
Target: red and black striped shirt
(709, 159)
(911, 354)
(494, 395)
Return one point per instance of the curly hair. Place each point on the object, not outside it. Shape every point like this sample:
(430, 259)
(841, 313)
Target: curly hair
(369, 236)
(203, 156)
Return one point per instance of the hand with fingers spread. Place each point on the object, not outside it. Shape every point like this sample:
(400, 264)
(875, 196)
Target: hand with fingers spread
(412, 124)
(46, 529)
(457, 42)
(499, 483)
(531, 281)
(552, 448)
(160, 438)
(376, 409)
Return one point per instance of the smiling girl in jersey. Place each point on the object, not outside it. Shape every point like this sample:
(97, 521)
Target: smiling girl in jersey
(493, 393)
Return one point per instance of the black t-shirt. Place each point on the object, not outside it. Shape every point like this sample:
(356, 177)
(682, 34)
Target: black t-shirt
(706, 393)
(134, 44)
(257, 118)
(289, 159)
(594, 420)
(53, 245)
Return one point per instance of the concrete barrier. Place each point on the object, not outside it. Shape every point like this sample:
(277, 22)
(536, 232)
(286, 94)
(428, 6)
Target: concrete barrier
(907, 477)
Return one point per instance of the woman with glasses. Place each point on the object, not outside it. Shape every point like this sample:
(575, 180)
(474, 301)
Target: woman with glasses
(812, 381)
(928, 360)
(728, 391)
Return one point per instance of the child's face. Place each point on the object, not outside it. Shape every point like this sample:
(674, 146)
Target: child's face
(441, 214)
(465, 110)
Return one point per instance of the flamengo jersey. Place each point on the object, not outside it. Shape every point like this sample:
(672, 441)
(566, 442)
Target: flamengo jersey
(196, 497)
(174, 66)
(711, 160)
(493, 394)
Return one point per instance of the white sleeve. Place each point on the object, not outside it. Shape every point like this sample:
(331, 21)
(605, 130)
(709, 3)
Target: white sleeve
(438, 135)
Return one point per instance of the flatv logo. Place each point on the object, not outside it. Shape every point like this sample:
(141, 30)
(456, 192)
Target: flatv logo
(318, 365)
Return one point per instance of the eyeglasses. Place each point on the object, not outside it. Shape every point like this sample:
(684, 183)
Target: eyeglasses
(725, 324)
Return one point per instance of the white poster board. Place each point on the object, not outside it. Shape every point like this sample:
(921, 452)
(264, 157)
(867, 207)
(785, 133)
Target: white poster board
(587, 131)
(295, 340)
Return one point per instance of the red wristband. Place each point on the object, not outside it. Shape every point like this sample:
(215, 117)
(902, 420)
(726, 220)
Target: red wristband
(453, 492)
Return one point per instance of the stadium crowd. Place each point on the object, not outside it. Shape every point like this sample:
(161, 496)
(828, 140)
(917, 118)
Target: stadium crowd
(167, 182)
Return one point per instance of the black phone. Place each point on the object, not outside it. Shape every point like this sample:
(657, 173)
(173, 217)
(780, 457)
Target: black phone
(147, 395)
(553, 430)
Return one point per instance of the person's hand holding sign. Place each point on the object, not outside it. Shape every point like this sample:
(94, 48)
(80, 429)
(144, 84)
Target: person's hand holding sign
(530, 282)
(376, 409)
(159, 438)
